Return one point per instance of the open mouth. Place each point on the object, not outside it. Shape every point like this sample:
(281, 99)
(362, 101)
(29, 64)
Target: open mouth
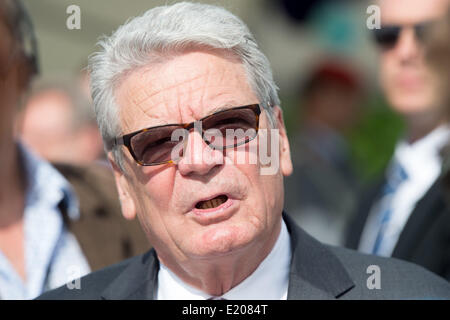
(212, 203)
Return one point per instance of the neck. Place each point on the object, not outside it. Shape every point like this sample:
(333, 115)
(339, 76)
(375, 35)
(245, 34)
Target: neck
(218, 275)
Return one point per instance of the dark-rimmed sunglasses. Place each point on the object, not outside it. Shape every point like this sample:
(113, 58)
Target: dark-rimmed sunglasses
(155, 145)
(387, 36)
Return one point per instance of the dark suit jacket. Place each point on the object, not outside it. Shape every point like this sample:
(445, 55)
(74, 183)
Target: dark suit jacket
(425, 239)
(317, 272)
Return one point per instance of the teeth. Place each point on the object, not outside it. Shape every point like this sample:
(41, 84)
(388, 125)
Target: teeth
(206, 204)
(213, 203)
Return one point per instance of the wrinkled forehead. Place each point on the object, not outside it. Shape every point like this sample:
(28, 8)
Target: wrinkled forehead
(182, 89)
(411, 11)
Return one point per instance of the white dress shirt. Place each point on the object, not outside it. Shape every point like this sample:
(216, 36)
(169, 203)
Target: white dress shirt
(268, 282)
(422, 163)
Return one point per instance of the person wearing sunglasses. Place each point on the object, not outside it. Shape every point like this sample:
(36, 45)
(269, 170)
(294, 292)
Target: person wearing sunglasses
(182, 95)
(404, 215)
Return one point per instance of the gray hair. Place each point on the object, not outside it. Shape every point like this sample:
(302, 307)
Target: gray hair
(164, 30)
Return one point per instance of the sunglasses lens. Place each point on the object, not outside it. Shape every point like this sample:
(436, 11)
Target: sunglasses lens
(224, 129)
(230, 128)
(156, 145)
(421, 30)
(387, 36)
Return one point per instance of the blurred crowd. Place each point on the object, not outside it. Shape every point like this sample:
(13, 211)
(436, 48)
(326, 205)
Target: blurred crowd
(54, 173)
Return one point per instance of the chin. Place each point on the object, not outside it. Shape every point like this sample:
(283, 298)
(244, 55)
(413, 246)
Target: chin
(223, 241)
(412, 104)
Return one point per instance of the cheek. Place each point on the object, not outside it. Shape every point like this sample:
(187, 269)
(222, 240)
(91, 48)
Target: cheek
(387, 68)
(265, 191)
(273, 191)
(154, 190)
(152, 196)
(433, 83)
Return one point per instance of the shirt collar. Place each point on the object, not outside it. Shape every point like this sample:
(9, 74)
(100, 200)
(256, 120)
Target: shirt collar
(262, 284)
(46, 185)
(422, 158)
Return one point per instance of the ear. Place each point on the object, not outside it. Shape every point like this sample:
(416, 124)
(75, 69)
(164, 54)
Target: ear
(285, 151)
(123, 188)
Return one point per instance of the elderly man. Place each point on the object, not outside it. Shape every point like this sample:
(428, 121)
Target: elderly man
(216, 223)
(406, 215)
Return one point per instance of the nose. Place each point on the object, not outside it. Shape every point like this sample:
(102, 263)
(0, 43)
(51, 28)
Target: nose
(198, 157)
(408, 47)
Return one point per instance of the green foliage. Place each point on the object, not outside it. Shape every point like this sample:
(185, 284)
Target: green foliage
(373, 140)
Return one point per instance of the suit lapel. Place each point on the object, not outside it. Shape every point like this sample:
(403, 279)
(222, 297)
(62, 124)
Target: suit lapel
(424, 212)
(137, 282)
(316, 273)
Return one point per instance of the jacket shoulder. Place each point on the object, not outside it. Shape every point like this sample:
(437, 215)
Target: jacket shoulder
(389, 278)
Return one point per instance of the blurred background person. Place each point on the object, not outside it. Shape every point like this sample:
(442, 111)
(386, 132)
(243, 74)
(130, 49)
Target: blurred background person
(321, 192)
(46, 237)
(58, 124)
(56, 113)
(404, 215)
(30, 189)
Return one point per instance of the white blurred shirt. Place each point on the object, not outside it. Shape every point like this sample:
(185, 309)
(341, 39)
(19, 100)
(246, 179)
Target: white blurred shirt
(268, 282)
(422, 162)
(52, 254)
